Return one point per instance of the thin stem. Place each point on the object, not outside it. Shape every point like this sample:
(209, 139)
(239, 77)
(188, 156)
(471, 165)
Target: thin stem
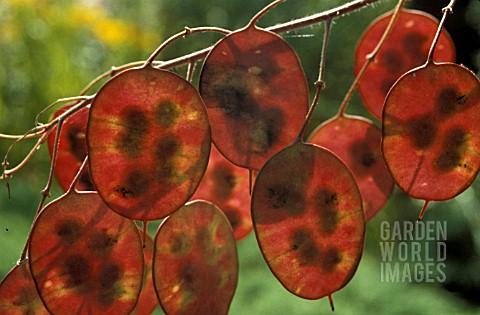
(77, 176)
(47, 129)
(422, 212)
(319, 84)
(62, 100)
(330, 300)
(46, 190)
(113, 71)
(279, 28)
(370, 58)
(446, 10)
(190, 71)
(9, 172)
(262, 12)
(185, 33)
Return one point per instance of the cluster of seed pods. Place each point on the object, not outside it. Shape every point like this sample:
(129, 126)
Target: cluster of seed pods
(159, 149)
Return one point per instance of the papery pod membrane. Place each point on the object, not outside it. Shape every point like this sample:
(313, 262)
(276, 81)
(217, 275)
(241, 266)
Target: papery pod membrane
(405, 48)
(72, 150)
(431, 131)
(256, 95)
(148, 140)
(85, 258)
(147, 301)
(227, 186)
(195, 266)
(357, 141)
(308, 218)
(18, 294)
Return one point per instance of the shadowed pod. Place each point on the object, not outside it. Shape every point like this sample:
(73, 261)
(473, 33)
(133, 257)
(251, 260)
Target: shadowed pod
(405, 48)
(72, 150)
(227, 186)
(357, 141)
(256, 95)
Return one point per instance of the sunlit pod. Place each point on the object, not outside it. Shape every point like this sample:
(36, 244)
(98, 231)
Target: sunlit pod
(148, 141)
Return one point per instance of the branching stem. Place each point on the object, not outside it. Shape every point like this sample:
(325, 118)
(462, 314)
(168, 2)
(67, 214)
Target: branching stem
(446, 10)
(319, 84)
(370, 58)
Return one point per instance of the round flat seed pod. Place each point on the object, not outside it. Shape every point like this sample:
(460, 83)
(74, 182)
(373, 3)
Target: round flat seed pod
(308, 218)
(405, 48)
(431, 131)
(85, 258)
(18, 295)
(148, 141)
(357, 141)
(227, 186)
(195, 263)
(72, 150)
(256, 95)
(147, 301)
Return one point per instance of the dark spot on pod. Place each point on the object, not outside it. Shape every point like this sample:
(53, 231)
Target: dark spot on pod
(330, 259)
(86, 181)
(203, 237)
(188, 277)
(26, 296)
(267, 128)
(360, 151)
(453, 149)
(387, 85)
(136, 184)
(303, 244)
(78, 145)
(421, 131)
(107, 288)
(234, 98)
(135, 125)
(180, 244)
(392, 61)
(413, 42)
(327, 202)
(77, 269)
(233, 217)
(167, 113)
(448, 101)
(224, 180)
(281, 196)
(101, 243)
(69, 231)
(167, 147)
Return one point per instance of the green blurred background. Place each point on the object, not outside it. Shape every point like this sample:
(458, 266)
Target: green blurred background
(51, 49)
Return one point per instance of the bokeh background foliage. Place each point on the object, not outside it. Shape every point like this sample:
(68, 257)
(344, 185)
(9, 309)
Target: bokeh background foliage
(51, 49)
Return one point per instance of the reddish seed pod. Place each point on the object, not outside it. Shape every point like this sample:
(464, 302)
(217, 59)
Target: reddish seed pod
(85, 258)
(431, 134)
(148, 141)
(308, 218)
(357, 141)
(227, 186)
(195, 263)
(72, 150)
(256, 95)
(18, 294)
(405, 48)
